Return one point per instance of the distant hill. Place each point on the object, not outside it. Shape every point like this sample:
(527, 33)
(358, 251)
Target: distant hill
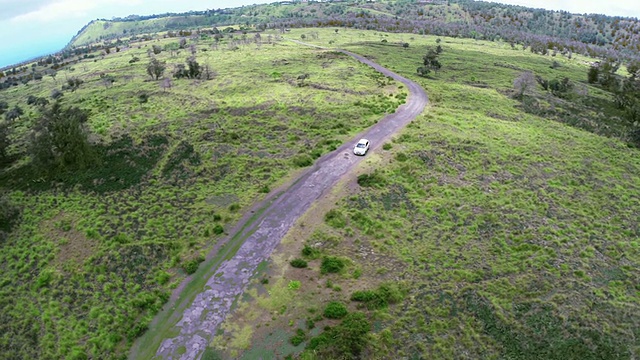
(542, 30)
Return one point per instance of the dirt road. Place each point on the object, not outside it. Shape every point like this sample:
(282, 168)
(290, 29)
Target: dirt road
(201, 318)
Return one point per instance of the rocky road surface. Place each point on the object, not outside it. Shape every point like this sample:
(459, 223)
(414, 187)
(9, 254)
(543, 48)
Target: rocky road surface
(201, 319)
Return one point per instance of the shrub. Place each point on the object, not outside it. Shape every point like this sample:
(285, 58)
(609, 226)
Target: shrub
(191, 266)
(371, 180)
(234, 207)
(310, 252)
(386, 146)
(380, 298)
(335, 218)
(163, 277)
(401, 157)
(302, 160)
(211, 354)
(345, 340)
(218, 229)
(335, 310)
(634, 136)
(294, 285)
(298, 263)
(137, 330)
(298, 338)
(331, 264)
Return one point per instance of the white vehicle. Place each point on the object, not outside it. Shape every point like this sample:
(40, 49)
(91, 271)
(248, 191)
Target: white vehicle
(361, 147)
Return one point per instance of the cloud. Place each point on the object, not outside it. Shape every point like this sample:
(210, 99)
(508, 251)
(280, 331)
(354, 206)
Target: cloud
(50, 11)
(11, 8)
(613, 8)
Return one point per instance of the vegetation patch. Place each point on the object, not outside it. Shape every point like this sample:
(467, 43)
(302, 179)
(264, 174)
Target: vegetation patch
(332, 264)
(375, 179)
(335, 218)
(380, 298)
(335, 310)
(346, 340)
(298, 263)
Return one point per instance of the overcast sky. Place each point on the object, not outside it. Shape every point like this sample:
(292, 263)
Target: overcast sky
(30, 28)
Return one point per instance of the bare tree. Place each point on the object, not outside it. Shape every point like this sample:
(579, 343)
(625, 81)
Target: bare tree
(53, 75)
(107, 80)
(524, 83)
(166, 84)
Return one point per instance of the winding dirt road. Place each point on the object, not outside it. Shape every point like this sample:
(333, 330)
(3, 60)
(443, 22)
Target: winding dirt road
(207, 311)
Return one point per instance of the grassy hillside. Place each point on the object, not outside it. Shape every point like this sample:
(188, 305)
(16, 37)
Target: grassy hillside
(481, 231)
(542, 30)
(95, 253)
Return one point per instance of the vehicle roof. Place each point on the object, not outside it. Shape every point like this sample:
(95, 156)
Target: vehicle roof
(363, 141)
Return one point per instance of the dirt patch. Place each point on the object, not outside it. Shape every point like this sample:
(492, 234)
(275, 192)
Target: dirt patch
(73, 245)
(272, 328)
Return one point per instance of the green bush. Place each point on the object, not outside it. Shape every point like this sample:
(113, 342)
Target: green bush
(345, 340)
(191, 266)
(371, 180)
(387, 146)
(401, 157)
(298, 338)
(316, 153)
(310, 252)
(302, 160)
(331, 264)
(163, 277)
(218, 229)
(211, 354)
(298, 263)
(335, 218)
(380, 298)
(335, 310)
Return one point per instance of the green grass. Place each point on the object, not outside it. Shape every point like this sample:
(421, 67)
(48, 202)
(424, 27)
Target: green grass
(514, 231)
(174, 173)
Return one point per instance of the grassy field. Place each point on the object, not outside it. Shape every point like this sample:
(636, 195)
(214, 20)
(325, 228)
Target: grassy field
(96, 253)
(490, 228)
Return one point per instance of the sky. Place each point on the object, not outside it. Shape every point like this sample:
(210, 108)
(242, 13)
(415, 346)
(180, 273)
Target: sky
(31, 28)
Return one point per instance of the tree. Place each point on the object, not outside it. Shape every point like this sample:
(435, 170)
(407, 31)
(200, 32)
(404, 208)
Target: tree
(4, 144)
(523, 83)
(430, 60)
(3, 106)
(593, 74)
(560, 87)
(74, 83)
(183, 43)
(193, 68)
(166, 84)
(38, 101)
(59, 140)
(423, 71)
(107, 79)
(191, 71)
(14, 113)
(156, 49)
(8, 215)
(56, 94)
(156, 68)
